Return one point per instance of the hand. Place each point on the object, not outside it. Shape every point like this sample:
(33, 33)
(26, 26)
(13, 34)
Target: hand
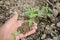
(10, 27)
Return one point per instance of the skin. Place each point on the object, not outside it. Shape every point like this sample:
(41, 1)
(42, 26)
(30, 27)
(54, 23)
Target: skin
(11, 27)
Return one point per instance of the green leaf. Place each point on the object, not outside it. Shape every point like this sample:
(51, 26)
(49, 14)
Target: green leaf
(15, 34)
(33, 16)
(14, 37)
(30, 11)
(31, 22)
(49, 15)
(41, 15)
(45, 9)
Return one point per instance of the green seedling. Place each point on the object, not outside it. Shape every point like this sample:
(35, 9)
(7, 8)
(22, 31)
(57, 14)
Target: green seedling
(15, 34)
(32, 15)
(44, 12)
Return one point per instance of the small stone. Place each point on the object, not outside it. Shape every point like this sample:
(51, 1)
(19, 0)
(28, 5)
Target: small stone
(38, 38)
(1, 16)
(53, 26)
(58, 6)
(43, 36)
(58, 24)
(55, 38)
(55, 12)
(48, 27)
(52, 34)
(1, 2)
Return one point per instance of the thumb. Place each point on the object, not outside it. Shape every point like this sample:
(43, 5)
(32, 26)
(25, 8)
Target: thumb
(14, 17)
(12, 20)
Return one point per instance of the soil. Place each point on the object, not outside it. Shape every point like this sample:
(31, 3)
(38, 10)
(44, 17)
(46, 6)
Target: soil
(25, 28)
(47, 30)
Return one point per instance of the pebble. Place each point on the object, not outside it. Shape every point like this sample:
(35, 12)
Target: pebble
(53, 25)
(55, 38)
(58, 6)
(58, 24)
(55, 12)
(43, 36)
(48, 27)
(38, 38)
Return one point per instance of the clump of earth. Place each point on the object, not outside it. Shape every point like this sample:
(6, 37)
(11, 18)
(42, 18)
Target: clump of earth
(46, 30)
(25, 28)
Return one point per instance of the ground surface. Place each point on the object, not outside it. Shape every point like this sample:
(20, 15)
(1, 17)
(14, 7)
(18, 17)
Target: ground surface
(45, 31)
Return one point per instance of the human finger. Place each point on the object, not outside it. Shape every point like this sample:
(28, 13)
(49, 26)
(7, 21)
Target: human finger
(14, 17)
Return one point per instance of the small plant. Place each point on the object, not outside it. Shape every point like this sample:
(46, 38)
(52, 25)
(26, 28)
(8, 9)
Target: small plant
(33, 13)
(44, 12)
